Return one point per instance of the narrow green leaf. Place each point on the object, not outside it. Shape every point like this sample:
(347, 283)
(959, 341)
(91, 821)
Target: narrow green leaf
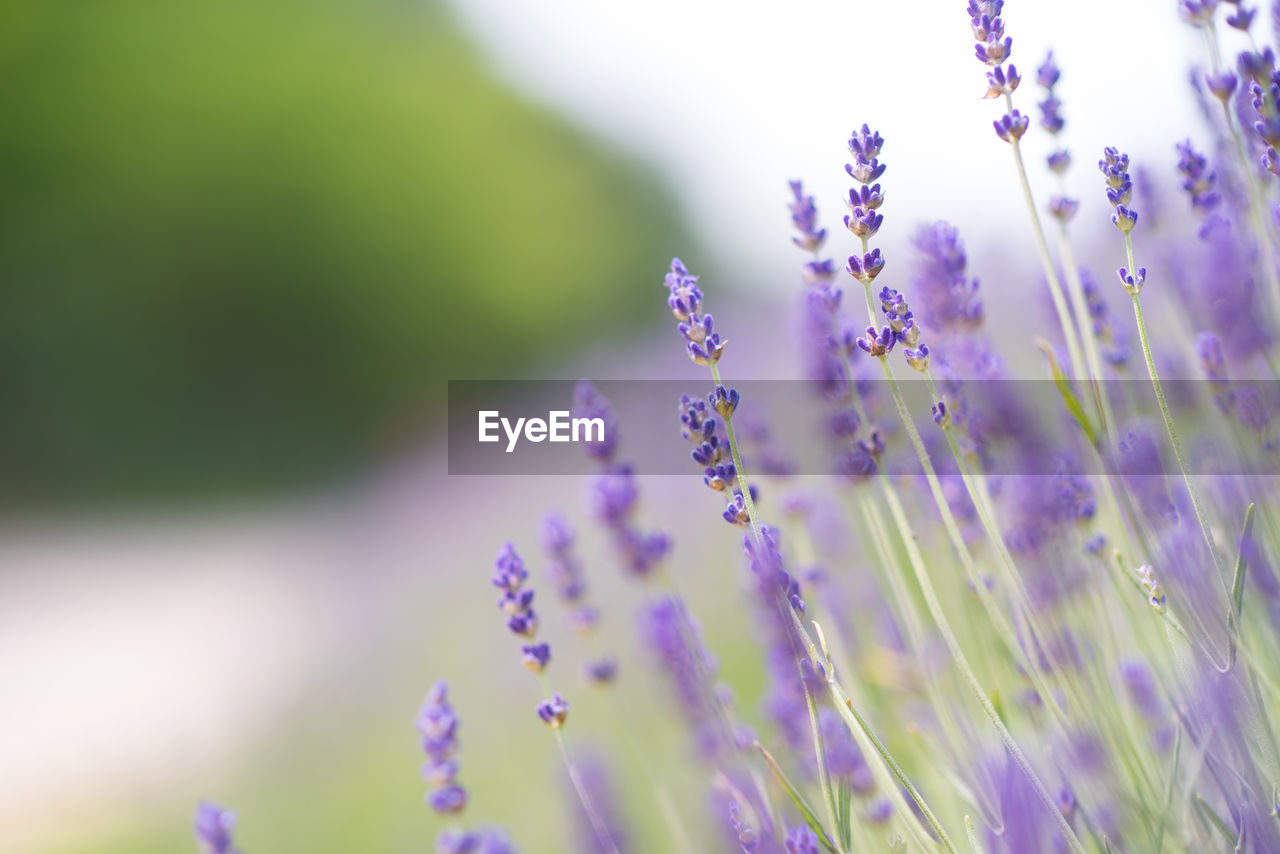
(1209, 813)
(1068, 393)
(844, 813)
(1237, 589)
(806, 811)
(973, 836)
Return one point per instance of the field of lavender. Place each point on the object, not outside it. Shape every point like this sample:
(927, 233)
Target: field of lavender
(1038, 613)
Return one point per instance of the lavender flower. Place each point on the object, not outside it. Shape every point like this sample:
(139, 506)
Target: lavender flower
(554, 711)
(948, 298)
(801, 840)
(804, 215)
(483, 841)
(564, 569)
(1012, 126)
(747, 839)
(614, 494)
(674, 639)
(1198, 179)
(213, 826)
(702, 342)
(1155, 594)
(438, 727)
(864, 146)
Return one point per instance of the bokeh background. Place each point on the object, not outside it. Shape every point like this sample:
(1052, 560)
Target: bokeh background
(243, 246)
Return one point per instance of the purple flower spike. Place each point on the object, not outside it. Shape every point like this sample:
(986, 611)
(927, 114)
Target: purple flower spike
(918, 358)
(865, 197)
(1001, 81)
(866, 268)
(801, 840)
(863, 222)
(1115, 169)
(747, 839)
(1048, 73)
(1222, 85)
(536, 656)
(508, 569)
(1124, 218)
(1059, 161)
(1198, 179)
(450, 799)
(736, 513)
(213, 826)
(725, 401)
(1063, 209)
(601, 672)
(1050, 117)
(877, 344)
(1241, 19)
(1132, 281)
(865, 147)
(438, 727)
(1198, 13)
(804, 215)
(1012, 126)
(941, 416)
(1256, 65)
(554, 712)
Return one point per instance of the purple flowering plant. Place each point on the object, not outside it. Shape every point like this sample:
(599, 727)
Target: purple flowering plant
(1082, 660)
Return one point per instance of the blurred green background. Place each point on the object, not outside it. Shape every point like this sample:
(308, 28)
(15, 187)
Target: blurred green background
(242, 244)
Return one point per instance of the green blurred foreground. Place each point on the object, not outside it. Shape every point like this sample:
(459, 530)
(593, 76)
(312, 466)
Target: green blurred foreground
(242, 243)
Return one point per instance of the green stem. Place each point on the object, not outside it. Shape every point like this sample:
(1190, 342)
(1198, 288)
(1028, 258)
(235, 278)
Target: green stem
(1002, 627)
(1055, 286)
(971, 680)
(1081, 307)
(858, 724)
(1196, 503)
(743, 483)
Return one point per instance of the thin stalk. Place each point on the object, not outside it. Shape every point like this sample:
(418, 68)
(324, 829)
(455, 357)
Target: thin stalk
(1081, 307)
(1257, 204)
(598, 824)
(971, 680)
(858, 725)
(1003, 629)
(1055, 286)
(738, 467)
(1196, 503)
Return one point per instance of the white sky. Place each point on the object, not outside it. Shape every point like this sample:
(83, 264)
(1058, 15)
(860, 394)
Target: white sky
(731, 102)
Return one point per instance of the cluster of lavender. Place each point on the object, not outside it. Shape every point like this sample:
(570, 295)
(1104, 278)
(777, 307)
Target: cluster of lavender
(213, 829)
(1094, 614)
(696, 327)
(1059, 160)
(992, 49)
(614, 495)
(516, 602)
(565, 573)
(438, 728)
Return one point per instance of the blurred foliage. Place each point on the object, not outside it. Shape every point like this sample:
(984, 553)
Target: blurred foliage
(244, 243)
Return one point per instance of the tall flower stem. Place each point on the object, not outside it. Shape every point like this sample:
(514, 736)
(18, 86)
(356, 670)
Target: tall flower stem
(1081, 308)
(858, 725)
(738, 467)
(998, 621)
(598, 824)
(971, 680)
(1196, 503)
(1069, 332)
